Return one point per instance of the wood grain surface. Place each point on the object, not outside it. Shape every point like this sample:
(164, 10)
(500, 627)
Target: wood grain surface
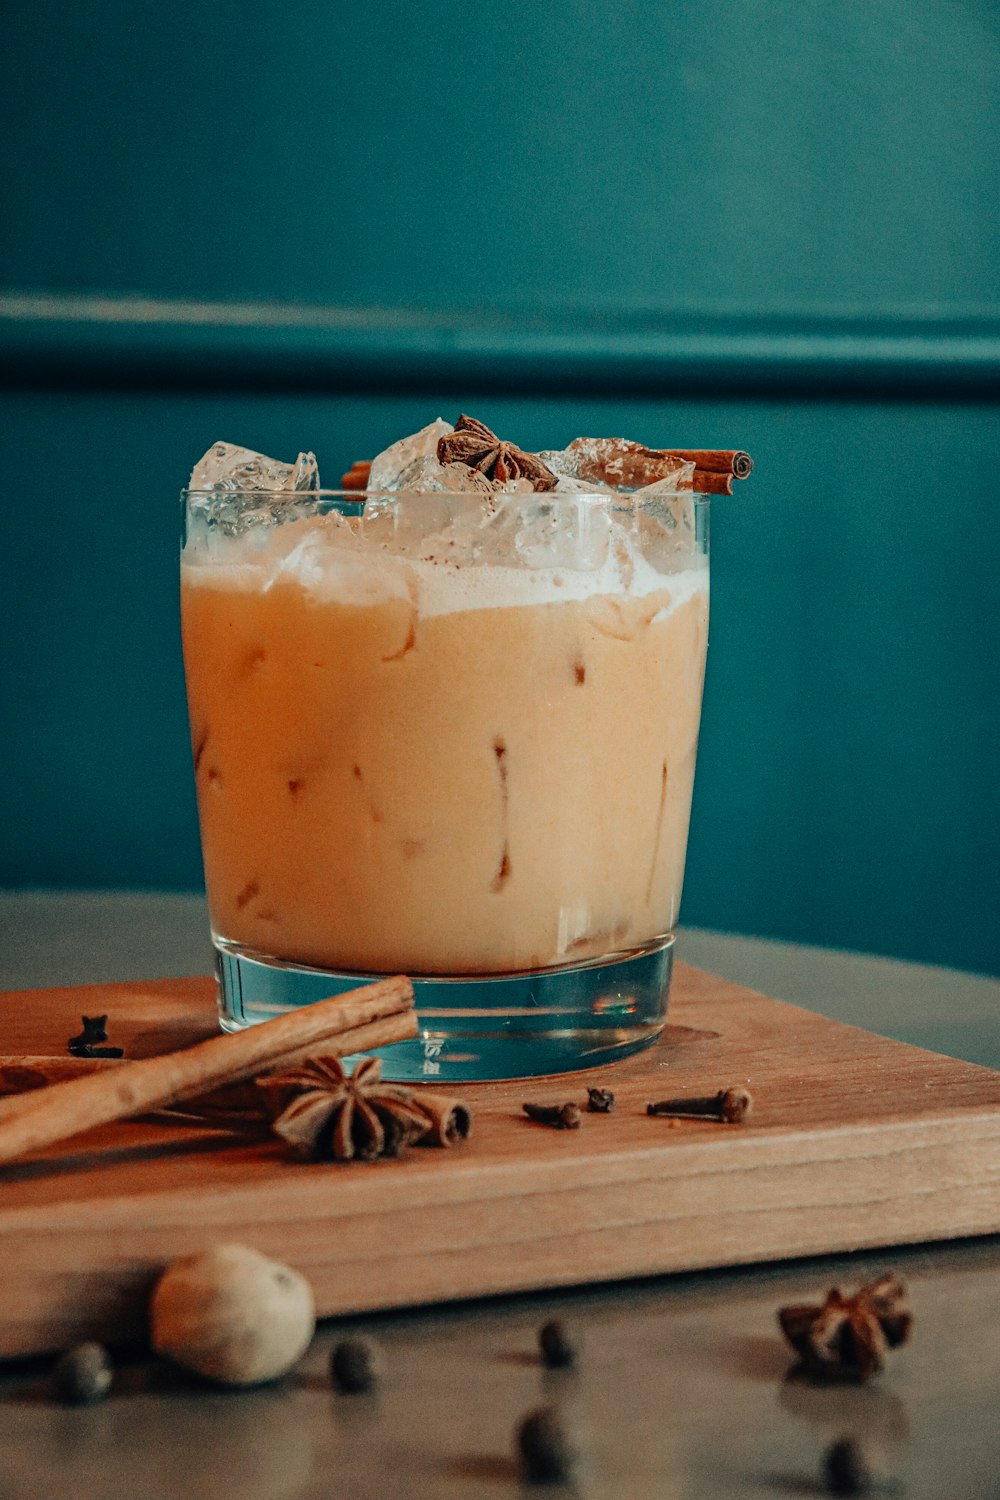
(855, 1141)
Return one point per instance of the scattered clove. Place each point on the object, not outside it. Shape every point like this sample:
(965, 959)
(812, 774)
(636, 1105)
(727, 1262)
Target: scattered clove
(600, 1101)
(559, 1344)
(83, 1375)
(355, 1365)
(95, 1030)
(547, 1448)
(846, 1338)
(559, 1116)
(845, 1470)
(729, 1106)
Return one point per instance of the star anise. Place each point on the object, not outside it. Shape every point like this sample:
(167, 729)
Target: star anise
(846, 1338)
(325, 1112)
(473, 444)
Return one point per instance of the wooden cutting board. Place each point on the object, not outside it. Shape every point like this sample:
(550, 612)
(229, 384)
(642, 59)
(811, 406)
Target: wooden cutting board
(855, 1141)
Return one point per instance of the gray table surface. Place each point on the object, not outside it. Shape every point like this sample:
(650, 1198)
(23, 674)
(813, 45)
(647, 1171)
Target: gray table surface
(681, 1390)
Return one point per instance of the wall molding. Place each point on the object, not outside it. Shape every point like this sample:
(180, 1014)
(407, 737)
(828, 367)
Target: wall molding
(53, 341)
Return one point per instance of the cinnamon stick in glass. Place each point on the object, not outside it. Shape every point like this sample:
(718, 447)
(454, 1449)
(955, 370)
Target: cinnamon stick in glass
(714, 471)
(356, 477)
(716, 460)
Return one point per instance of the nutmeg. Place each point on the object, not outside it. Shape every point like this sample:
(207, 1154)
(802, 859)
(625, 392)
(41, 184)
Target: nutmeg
(232, 1315)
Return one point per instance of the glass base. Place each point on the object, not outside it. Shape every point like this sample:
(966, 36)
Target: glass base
(474, 1027)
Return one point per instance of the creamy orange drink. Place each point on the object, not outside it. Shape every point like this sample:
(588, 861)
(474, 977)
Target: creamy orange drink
(388, 784)
(450, 734)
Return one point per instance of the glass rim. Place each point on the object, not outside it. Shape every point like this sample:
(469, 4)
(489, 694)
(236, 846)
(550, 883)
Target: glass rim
(358, 497)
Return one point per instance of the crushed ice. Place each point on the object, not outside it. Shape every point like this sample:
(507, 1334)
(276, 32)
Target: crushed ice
(228, 467)
(462, 518)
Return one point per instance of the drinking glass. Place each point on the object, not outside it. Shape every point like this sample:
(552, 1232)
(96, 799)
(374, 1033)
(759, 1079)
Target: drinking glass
(450, 736)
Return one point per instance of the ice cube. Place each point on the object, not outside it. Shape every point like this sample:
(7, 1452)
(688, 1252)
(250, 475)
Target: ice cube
(563, 533)
(227, 467)
(671, 504)
(332, 565)
(389, 468)
(568, 484)
(471, 534)
(662, 525)
(618, 462)
(514, 486)
(566, 464)
(425, 476)
(562, 461)
(459, 479)
(422, 474)
(664, 487)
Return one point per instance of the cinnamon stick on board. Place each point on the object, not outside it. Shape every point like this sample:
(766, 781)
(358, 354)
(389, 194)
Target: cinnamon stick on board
(22, 1074)
(370, 1017)
(241, 1106)
(448, 1119)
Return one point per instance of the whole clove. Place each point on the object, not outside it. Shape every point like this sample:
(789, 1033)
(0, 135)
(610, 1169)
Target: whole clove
(559, 1344)
(355, 1365)
(844, 1468)
(600, 1101)
(559, 1116)
(547, 1448)
(729, 1106)
(95, 1031)
(83, 1375)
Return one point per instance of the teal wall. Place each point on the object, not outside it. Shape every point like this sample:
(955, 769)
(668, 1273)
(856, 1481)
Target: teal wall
(772, 226)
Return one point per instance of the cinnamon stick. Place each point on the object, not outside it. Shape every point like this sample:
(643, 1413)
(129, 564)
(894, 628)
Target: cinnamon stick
(356, 477)
(370, 1017)
(714, 471)
(19, 1075)
(711, 482)
(23, 1074)
(716, 460)
(448, 1119)
(241, 1106)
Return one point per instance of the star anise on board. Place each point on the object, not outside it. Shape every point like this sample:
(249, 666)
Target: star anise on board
(846, 1338)
(473, 444)
(325, 1112)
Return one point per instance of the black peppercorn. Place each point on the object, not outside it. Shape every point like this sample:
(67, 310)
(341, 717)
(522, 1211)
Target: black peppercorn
(559, 1344)
(355, 1365)
(83, 1375)
(547, 1449)
(845, 1470)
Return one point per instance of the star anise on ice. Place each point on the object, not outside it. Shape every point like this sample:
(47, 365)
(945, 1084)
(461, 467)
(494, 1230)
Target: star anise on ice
(473, 444)
(846, 1338)
(325, 1112)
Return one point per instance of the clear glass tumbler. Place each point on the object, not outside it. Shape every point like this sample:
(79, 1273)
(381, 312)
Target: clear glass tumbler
(449, 736)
